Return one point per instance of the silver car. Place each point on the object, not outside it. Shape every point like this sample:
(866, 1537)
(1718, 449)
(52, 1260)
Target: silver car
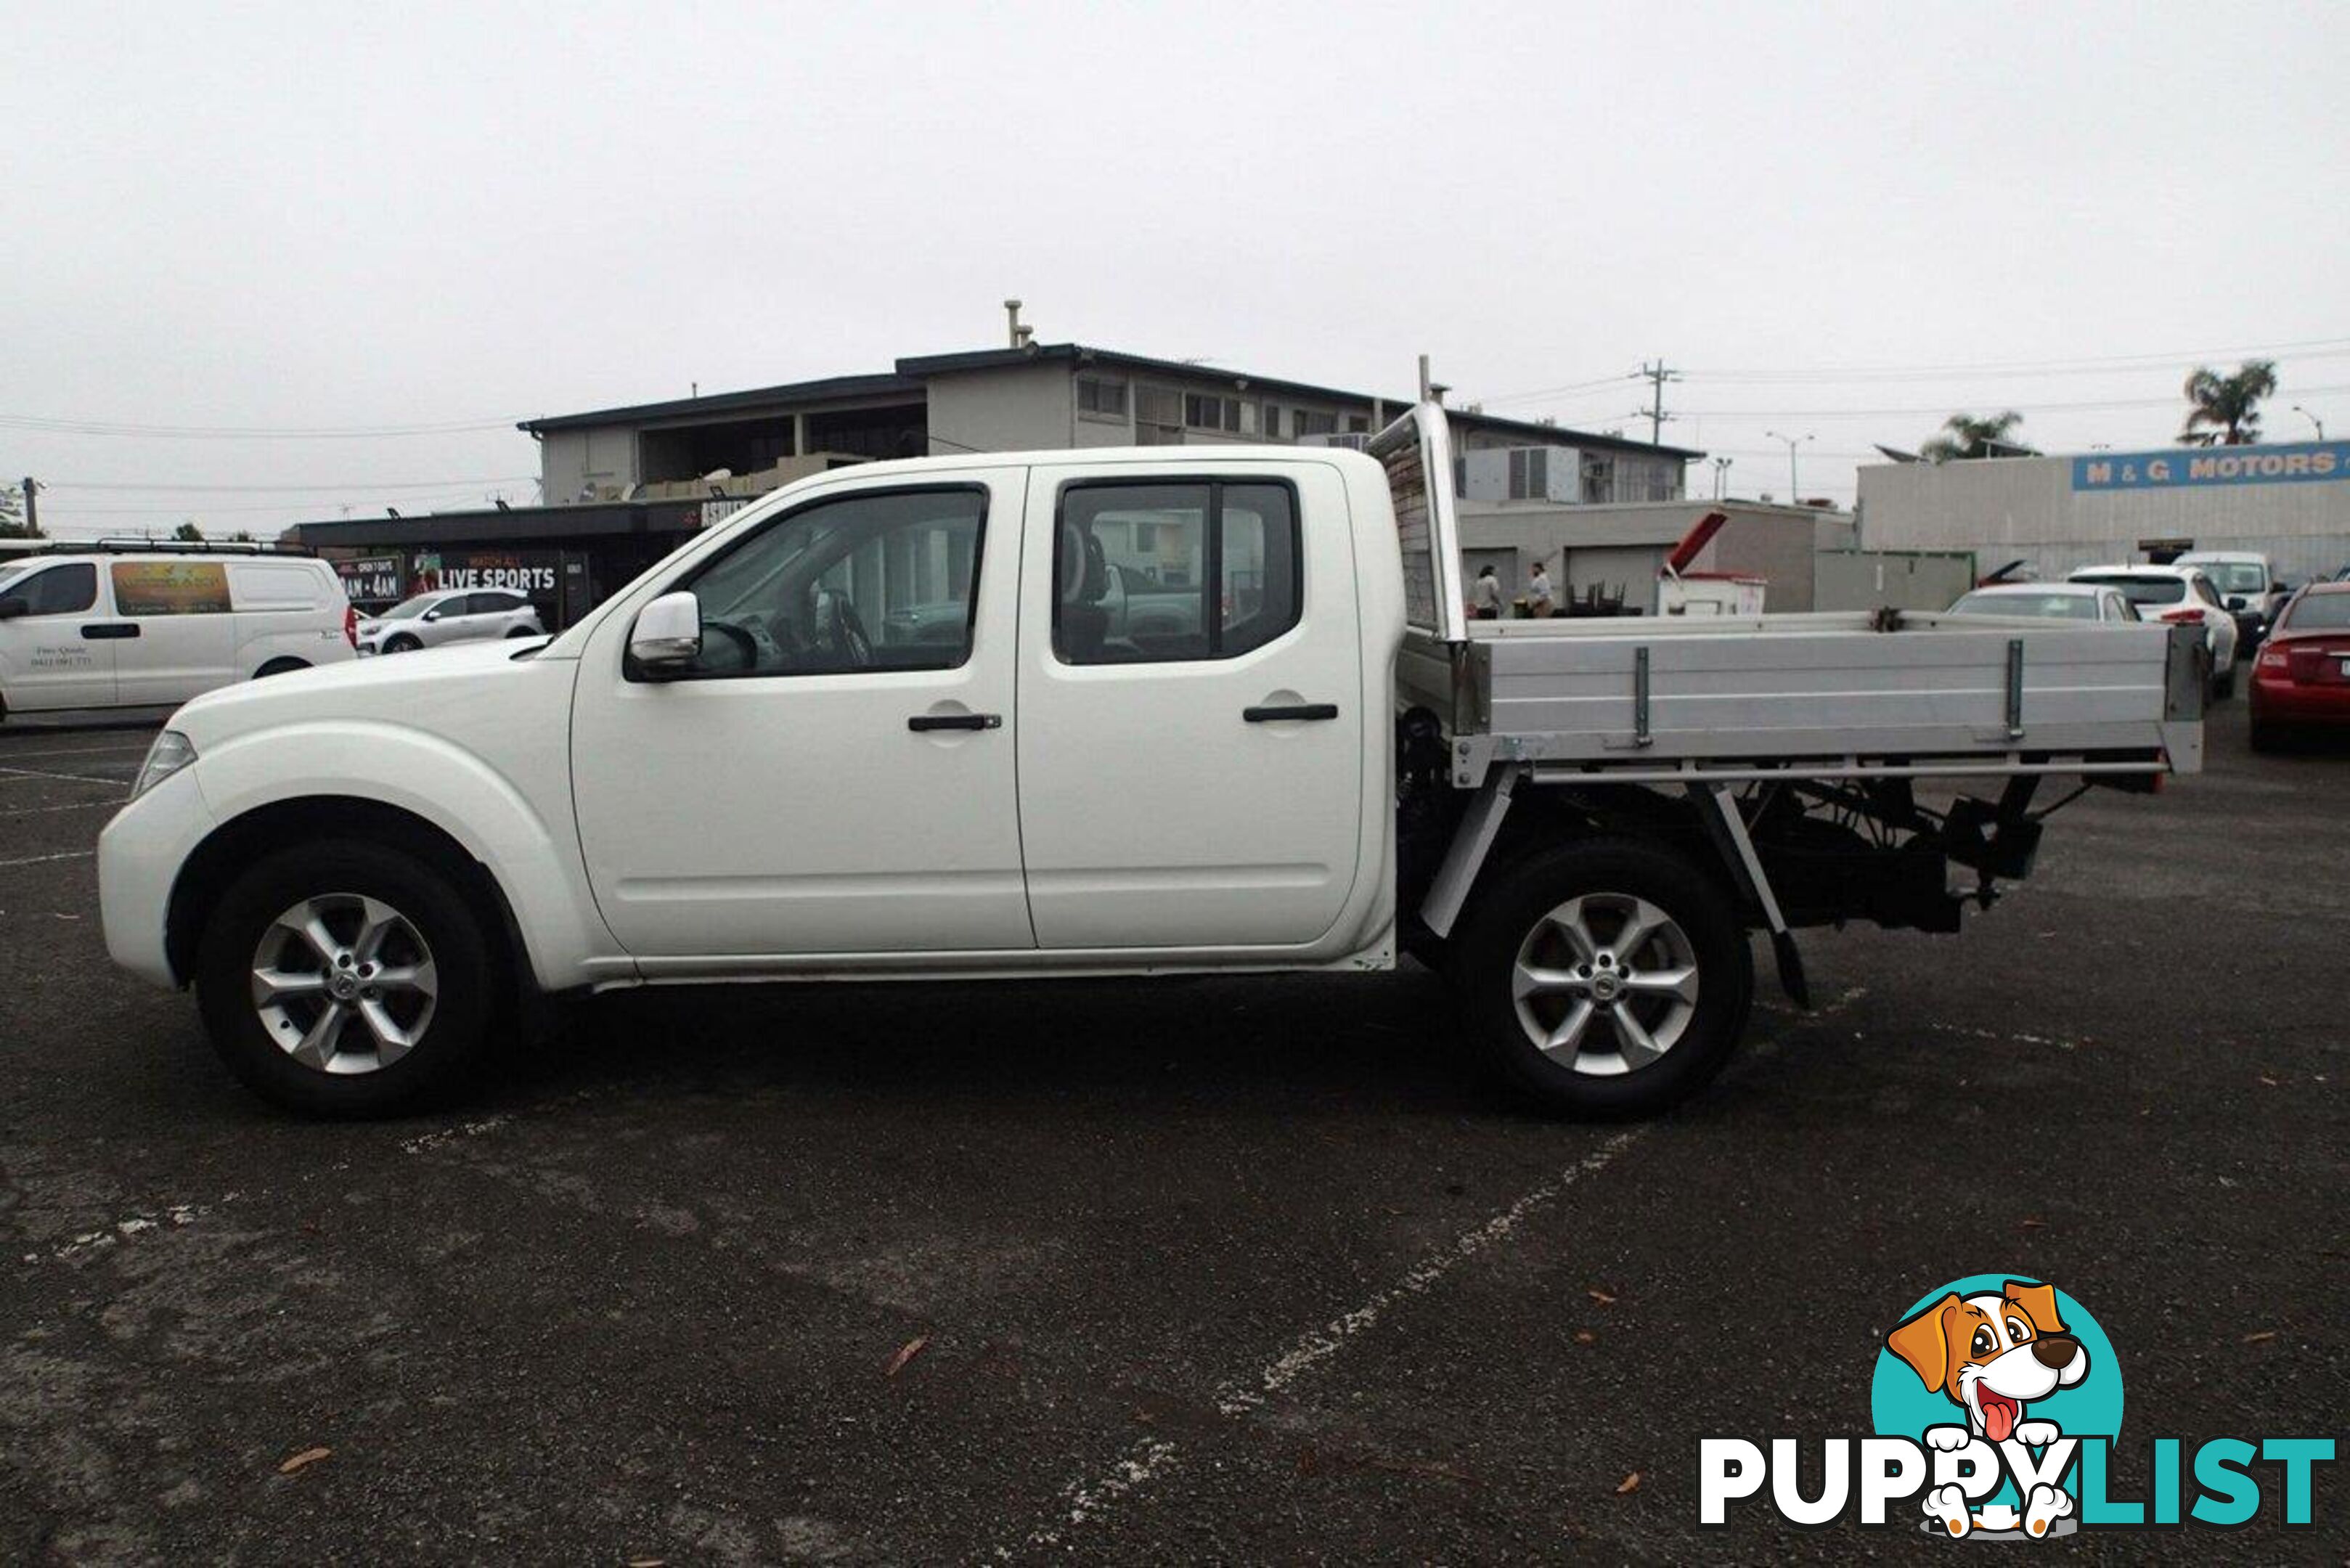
(452, 615)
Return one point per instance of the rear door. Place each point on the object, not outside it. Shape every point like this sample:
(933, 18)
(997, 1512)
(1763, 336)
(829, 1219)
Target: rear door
(60, 652)
(1192, 778)
(180, 636)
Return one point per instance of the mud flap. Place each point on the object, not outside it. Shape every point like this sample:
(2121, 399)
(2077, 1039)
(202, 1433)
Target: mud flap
(1792, 978)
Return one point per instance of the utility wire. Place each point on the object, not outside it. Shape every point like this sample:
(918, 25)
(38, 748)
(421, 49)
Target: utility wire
(48, 425)
(174, 487)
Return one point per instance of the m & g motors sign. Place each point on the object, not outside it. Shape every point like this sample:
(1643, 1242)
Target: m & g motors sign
(2296, 463)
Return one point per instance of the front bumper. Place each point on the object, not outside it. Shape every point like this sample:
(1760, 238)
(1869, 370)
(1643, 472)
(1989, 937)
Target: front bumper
(139, 859)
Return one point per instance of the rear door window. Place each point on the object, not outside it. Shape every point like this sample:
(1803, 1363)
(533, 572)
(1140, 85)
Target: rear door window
(1171, 572)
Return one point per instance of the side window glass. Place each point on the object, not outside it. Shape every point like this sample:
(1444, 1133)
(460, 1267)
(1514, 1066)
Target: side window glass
(876, 581)
(60, 590)
(170, 587)
(1152, 573)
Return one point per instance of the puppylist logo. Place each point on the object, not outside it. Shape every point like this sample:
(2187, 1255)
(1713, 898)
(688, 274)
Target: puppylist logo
(1997, 1402)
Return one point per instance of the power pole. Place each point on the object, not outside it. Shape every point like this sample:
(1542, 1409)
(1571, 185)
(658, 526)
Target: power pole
(32, 507)
(1658, 374)
(1720, 475)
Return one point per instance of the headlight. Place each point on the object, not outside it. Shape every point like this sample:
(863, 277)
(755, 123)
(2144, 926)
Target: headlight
(170, 753)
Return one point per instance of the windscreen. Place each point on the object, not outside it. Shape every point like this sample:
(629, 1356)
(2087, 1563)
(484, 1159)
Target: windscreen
(2142, 590)
(2051, 606)
(2318, 612)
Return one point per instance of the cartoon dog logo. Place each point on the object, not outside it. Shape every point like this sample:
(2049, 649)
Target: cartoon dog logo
(1992, 1356)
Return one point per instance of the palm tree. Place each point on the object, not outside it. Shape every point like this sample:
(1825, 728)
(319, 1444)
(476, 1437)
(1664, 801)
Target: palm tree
(1964, 435)
(2224, 407)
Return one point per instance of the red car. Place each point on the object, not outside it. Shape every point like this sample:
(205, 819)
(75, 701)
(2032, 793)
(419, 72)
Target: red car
(2302, 679)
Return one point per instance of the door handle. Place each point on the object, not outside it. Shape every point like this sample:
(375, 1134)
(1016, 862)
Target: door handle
(1293, 710)
(922, 721)
(105, 630)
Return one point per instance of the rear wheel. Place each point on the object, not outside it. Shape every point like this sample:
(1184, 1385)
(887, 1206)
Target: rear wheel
(2224, 686)
(404, 643)
(1607, 978)
(280, 667)
(346, 979)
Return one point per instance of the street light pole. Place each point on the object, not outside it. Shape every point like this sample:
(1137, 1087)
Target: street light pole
(2313, 419)
(1720, 475)
(1794, 491)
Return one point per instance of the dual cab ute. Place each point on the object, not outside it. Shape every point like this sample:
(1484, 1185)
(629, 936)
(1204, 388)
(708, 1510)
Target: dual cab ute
(751, 764)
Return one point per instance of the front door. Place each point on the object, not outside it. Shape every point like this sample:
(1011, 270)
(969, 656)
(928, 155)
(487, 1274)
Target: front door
(59, 652)
(1191, 722)
(834, 774)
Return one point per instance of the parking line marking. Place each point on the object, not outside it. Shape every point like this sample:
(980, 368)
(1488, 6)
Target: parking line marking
(45, 859)
(1084, 1498)
(82, 751)
(69, 805)
(22, 775)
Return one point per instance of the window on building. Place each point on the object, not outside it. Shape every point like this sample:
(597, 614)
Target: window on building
(1099, 398)
(878, 580)
(1203, 411)
(1174, 572)
(1158, 417)
(1314, 422)
(1273, 422)
(1358, 424)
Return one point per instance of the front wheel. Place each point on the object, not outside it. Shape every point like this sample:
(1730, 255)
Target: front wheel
(1608, 978)
(346, 979)
(404, 643)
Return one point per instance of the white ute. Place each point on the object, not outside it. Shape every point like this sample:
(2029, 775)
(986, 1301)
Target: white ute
(756, 763)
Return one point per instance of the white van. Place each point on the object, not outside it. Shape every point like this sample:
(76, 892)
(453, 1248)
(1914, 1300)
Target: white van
(151, 628)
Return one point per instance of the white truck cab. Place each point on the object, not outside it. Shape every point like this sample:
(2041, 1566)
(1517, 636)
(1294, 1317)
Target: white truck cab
(152, 626)
(898, 720)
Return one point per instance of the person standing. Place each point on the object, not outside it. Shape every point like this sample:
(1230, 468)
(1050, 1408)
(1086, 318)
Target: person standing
(1539, 603)
(1486, 596)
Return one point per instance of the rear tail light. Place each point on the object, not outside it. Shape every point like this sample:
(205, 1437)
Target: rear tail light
(351, 625)
(2183, 617)
(2274, 658)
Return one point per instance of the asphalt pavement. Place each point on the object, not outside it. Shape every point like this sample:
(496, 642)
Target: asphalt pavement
(1217, 1269)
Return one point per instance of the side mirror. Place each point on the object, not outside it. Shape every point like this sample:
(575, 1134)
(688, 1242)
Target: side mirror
(10, 608)
(2278, 588)
(667, 633)
(2235, 601)
(432, 615)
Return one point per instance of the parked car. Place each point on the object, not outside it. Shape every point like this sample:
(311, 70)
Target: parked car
(2301, 681)
(368, 876)
(2248, 587)
(2050, 601)
(151, 628)
(451, 615)
(2177, 596)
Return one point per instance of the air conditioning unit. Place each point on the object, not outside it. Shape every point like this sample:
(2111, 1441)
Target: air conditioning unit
(1353, 440)
(1523, 474)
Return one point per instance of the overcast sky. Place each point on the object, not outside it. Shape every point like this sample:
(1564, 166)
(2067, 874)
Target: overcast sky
(1834, 221)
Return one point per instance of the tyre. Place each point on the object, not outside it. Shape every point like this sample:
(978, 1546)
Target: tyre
(404, 643)
(2267, 738)
(280, 667)
(1606, 977)
(347, 979)
(2224, 686)
(523, 631)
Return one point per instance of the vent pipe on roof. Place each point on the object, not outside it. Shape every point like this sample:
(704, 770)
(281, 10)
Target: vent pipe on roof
(1020, 335)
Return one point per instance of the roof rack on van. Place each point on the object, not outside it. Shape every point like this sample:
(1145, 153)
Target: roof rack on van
(125, 547)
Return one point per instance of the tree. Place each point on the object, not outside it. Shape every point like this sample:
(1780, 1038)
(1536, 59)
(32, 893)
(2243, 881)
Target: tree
(188, 533)
(1965, 436)
(12, 513)
(2223, 409)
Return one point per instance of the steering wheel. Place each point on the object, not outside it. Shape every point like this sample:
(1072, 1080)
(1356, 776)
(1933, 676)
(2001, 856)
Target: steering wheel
(846, 630)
